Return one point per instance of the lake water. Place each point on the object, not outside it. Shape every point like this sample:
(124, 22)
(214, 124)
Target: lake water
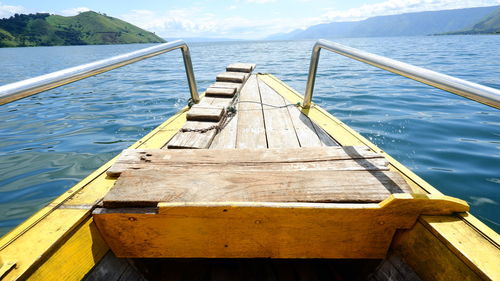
(50, 141)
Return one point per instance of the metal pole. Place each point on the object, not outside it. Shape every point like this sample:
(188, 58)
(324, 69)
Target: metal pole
(18, 90)
(476, 92)
(311, 79)
(186, 56)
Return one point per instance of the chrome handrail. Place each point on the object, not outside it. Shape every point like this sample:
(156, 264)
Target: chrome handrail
(18, 90)
(470, 90)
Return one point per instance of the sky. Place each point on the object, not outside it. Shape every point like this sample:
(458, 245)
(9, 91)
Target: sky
(239, 19)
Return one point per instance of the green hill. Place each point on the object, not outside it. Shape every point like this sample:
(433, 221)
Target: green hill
(88, 28)
(488, 25)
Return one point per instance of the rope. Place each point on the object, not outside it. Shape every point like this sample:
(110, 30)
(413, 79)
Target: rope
(230, 112)
(270, 105)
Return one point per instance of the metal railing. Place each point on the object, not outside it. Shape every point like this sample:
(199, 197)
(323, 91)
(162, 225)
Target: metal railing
(18, 90)
(473, 91)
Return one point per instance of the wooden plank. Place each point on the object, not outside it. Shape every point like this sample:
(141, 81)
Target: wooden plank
(304, 129)
(466, 243)
(393, 268)
(270, 230)
(111, 268)
(338, 165)
(241, 67)
(226, 138)
(251, 131)
(206, 101)
(84, 245)
(205, 113)
(227, 85)
(221, 102)
(214, 101)
(301, 159)
(235, 77)
(279, 127)
(194, 140)
(225, 92)
(324, 137)
(430, 258)
(145, 188)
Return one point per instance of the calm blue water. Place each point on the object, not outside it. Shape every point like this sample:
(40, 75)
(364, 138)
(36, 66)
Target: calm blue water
(51, 141)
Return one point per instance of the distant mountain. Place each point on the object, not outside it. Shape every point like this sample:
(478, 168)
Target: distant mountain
(88, 28)
(410, 24)
(204, 39)
(489, 25)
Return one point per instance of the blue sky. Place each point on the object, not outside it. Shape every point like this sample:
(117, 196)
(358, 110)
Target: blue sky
(245, 19)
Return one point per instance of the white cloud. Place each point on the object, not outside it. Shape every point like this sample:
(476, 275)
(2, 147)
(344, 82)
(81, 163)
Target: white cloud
(74, 11)
(196, 22)
(7, 10)
(260, 1)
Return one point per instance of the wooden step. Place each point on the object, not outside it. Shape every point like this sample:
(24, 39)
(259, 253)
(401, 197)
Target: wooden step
(220, 92)
(227, 85)
(241, 67)
(236, 77)
(205, 113)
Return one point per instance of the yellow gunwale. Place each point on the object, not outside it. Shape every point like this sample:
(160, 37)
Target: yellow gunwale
(71, 212)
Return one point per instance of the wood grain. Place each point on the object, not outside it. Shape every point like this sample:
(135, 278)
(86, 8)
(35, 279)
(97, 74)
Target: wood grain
(226, 138)
(241, 67)
(235, 77)
(325, 138)
(265, 230)
(193, 140)
(226, 85)
(285, 158)
(251, 130)
(280, 132)
(111, 268)
(393, 268)
(304, 128)
(430, 258)
(146, 188)
(480, 255)
(226, 92)
(205, 113)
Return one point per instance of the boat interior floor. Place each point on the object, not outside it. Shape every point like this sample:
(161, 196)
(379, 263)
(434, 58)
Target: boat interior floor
(119, 269)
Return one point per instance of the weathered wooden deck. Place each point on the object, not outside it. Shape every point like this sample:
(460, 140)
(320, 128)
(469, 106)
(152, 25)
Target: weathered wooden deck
(263, 120)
